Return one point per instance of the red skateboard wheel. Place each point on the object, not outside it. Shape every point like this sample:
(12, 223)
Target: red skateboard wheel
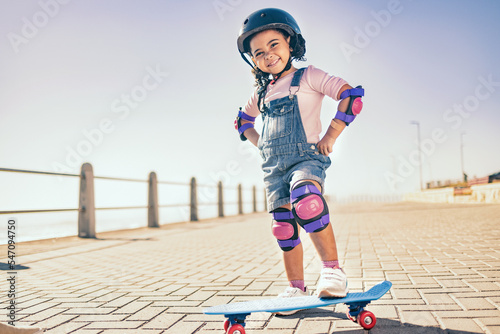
(236, 329)
(367, 319)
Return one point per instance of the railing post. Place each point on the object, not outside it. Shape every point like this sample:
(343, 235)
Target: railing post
(194, 201)
(265, 200)
(220, 197)
(86, 207)
(240, 199)
(153, 212)
(254, 195)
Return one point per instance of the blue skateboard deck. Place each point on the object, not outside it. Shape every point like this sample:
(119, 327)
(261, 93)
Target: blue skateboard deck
(356, 301)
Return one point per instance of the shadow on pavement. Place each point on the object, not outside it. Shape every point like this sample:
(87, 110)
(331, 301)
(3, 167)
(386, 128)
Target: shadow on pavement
(386, 326)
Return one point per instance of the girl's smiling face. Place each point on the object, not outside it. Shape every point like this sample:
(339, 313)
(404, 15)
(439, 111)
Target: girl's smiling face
(270, 51)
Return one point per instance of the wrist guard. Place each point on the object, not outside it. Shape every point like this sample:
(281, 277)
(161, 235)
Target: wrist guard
(238, 124)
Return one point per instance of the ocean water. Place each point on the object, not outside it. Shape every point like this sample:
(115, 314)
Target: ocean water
(40, 192)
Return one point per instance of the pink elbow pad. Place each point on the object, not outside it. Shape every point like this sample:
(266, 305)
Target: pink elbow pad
(357, 105)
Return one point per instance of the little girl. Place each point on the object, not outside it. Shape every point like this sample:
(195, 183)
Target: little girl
(295, 158)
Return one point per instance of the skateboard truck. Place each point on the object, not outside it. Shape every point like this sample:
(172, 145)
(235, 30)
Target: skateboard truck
(235, 324)
(357, 313)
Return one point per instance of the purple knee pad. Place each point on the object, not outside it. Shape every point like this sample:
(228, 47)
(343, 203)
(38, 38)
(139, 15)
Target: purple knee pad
(309, 207)
(285, 229)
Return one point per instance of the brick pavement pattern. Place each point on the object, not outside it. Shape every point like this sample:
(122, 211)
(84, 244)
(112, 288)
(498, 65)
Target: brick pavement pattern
(443, 261)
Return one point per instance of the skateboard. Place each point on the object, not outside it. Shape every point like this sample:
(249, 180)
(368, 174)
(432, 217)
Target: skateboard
(236, 313)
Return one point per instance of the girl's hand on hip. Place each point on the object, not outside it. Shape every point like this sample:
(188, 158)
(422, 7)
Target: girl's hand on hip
(325, 145)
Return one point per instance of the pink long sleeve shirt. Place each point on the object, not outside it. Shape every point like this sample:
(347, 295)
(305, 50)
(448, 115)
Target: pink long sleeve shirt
(314, 85)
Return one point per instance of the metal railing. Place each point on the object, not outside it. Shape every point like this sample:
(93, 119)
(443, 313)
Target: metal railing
(86, 208)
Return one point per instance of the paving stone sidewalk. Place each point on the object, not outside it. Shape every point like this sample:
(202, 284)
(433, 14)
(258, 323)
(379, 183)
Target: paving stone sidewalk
(443, 261)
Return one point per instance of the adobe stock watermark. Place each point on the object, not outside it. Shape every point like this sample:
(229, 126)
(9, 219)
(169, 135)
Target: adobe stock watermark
(234, 167)
(371, 30)
(223, 6)
(232, 170)
(31, 26)
(121, 107)
(460, 111)
(453, 116)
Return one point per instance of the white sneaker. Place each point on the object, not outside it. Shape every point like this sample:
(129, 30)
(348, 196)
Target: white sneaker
(291, 292)
(332, 283)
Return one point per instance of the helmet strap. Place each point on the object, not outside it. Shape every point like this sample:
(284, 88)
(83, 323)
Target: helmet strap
(246, 60)
(263, 90)
(287, 67)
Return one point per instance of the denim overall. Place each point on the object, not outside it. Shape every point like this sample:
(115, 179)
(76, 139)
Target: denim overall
(288, 157)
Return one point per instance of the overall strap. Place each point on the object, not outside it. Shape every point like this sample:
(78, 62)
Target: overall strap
(297, 76)
(296, 82)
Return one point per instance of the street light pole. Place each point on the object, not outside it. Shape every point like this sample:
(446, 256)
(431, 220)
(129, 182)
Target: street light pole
(462, 155)
(419, 152)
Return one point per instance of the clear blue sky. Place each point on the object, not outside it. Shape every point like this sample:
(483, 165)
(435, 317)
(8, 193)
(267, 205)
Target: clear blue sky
(162, 82)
